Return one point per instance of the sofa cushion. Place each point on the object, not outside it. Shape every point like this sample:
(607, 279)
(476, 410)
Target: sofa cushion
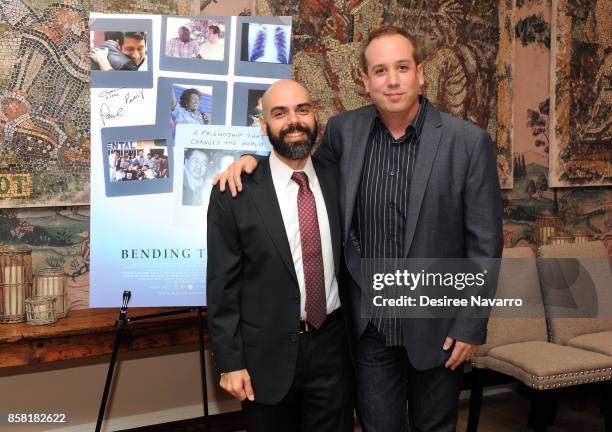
(598, 342)
(577, 310)
(518, 278)
(543, 365)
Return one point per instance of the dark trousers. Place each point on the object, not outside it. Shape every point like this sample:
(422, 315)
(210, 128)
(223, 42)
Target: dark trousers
(321, 396)
(392, 396)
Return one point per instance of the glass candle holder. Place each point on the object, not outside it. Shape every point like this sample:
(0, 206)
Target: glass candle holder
(40, 310)
(51, 281)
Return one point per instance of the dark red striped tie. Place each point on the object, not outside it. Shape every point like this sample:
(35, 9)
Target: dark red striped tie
(312, 257)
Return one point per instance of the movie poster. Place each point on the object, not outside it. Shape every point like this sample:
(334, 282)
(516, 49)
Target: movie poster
(174, 100)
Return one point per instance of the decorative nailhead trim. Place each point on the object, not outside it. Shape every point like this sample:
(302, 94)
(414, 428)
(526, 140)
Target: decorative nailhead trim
(587, 379)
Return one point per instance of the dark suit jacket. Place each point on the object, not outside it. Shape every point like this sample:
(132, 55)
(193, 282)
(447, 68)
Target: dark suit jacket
(252, 289)
(454, 211)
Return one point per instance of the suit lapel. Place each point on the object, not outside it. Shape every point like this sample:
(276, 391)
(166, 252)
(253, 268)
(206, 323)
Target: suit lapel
(264, 197)
(428, 147)
(329, 188)
(357, 145)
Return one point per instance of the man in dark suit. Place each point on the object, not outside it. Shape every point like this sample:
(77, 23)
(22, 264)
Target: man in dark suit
(414, 183)
(277, 329)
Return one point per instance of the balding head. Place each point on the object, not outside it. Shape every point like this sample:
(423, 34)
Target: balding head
(289, 119)
(284, 92)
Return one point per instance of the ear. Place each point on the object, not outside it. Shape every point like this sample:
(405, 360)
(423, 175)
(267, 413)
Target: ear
(263, 125)
(366, 81)
(421, 74)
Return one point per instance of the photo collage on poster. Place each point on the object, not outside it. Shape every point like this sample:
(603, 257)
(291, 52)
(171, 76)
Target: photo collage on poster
(194, 75)
(174, 101)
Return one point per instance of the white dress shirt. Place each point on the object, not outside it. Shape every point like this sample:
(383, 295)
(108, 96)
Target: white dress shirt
(287, 192)
(210, 51)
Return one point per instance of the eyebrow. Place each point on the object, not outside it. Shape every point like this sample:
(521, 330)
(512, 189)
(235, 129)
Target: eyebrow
(397, 62)
(302, 105)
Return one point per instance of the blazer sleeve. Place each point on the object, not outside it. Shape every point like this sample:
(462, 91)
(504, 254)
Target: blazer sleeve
(224, 284)
(482, 204)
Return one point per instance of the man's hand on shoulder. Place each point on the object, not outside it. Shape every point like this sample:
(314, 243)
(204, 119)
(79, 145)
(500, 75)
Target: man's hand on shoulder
(462, 352)
(231, 176)
(238, 384)
(100, 56)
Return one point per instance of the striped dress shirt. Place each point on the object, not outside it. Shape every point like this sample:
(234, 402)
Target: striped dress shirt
(382, 204)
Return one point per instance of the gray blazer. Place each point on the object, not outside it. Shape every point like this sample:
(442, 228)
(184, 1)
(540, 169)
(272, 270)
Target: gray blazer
(455, 211)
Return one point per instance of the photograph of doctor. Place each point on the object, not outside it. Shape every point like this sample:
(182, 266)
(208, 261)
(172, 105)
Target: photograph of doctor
(273, 287)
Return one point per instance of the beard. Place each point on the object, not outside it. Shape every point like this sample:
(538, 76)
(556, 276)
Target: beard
(295, 150)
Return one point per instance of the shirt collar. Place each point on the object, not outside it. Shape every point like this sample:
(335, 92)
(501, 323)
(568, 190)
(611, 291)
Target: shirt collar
(281, 173)
(415, 125)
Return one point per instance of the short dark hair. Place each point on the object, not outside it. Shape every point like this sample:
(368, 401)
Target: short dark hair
(185, 96)
(134, 35)
(189, 152)
(215, 29)
(114, 36)
(387, 30)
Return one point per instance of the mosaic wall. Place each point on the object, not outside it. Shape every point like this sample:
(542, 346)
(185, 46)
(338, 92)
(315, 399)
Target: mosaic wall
(44, 95)
(467, 47)
(581, 142)
(171, 7)
(224, 7)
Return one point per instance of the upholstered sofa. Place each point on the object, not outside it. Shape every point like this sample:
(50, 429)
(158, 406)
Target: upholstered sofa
(544, 354)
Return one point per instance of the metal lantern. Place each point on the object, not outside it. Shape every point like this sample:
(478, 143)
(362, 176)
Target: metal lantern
(52, 282)
(15, 282)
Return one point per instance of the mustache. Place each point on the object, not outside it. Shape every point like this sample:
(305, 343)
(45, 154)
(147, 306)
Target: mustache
(294, 128)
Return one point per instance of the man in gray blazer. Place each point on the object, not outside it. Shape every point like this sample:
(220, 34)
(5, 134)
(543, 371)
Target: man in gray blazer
(414, 183)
